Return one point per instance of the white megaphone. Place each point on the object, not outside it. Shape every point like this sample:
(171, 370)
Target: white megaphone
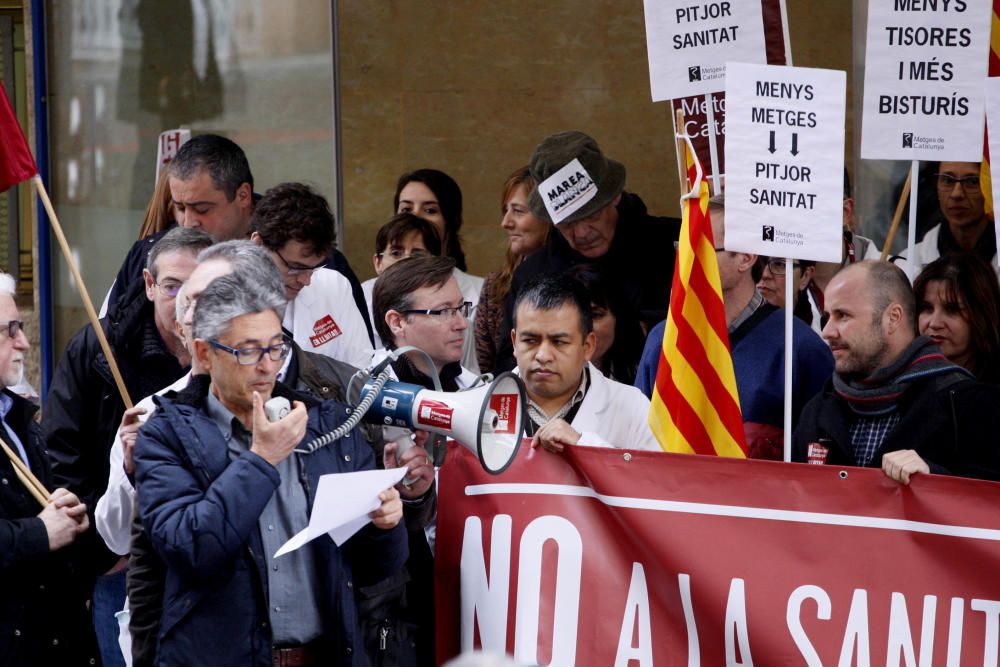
(487, 420)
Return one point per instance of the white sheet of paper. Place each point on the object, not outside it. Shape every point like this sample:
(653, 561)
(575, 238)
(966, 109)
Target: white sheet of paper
(342, 504)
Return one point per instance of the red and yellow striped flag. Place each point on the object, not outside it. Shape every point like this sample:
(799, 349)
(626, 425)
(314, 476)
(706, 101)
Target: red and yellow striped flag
(695, 408)
(993, 70)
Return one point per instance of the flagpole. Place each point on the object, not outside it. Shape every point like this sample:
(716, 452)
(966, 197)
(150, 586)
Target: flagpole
(896, 217)
(911, 233)
(713, 149)
(87, 303)
(789, 314)
(682, 174)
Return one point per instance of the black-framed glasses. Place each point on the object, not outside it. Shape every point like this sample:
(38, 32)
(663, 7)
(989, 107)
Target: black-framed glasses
(776, 265)
(442, 313)
(169, 289)
(248, 356)
(12, 327)
(970, 183)
(298, 269)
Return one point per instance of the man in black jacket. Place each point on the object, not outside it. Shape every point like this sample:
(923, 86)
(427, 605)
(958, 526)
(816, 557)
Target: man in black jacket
(894, 401)
(43, 616)
(84, 407)
(582, 192)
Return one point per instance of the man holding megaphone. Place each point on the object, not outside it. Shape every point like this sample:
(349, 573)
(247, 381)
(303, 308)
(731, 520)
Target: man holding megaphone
(417, 302)
(569, 401)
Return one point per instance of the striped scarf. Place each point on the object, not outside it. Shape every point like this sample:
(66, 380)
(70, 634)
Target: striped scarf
(878, 394)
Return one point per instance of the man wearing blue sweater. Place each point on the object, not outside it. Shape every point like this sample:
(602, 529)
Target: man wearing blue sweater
(757, 341)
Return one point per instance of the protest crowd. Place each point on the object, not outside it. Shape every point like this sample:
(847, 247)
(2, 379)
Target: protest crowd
(161, 524)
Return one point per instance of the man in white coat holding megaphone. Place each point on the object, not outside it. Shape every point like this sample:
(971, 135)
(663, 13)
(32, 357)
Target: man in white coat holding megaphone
(570, 402)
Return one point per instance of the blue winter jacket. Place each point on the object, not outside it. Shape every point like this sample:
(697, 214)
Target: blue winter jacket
(201, 512)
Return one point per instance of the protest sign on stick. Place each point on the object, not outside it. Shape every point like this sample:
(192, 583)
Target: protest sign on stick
(923, 93)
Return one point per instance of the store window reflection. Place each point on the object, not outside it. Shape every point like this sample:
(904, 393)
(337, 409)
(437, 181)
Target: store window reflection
(122, 71)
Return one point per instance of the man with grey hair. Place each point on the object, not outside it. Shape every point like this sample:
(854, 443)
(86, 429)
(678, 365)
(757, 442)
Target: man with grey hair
(84, 408)
(38, 549)
(894, 401)
(222, 488)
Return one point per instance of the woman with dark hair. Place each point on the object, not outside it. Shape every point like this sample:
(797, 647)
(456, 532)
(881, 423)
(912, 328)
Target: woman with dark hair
(525, 234)
(435, 196)
(405, 235)
(619, 335)
(958, 308)
(771, 286)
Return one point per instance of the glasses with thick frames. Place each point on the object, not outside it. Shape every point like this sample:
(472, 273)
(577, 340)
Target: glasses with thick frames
(442, 313)
(248, 356)
(970, 183)
(12, 327)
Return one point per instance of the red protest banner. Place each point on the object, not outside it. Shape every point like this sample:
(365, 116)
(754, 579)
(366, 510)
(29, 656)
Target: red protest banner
(607, 557)
(16, 163)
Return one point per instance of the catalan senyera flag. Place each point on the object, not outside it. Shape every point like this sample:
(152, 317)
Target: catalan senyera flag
(695, 407)
(16, 163)
(993, 70)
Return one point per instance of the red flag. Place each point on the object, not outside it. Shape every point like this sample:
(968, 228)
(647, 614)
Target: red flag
(16, 163)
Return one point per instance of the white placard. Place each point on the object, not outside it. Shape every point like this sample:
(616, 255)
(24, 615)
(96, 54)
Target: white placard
(166, 148)
(690, 42)
(925, 61)
(567, 190)
(785, 161)
(993, 122)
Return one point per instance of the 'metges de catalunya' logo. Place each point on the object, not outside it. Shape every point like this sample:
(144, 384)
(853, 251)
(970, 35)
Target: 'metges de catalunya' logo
(767, 233)
(694, 73)
(907, 140)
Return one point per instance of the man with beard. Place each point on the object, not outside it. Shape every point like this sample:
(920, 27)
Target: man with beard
(894, 400)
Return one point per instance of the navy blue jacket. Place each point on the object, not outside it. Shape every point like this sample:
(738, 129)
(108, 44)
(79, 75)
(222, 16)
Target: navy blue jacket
(201, 512)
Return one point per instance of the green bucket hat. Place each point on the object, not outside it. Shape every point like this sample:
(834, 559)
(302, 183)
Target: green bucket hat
(556, 152)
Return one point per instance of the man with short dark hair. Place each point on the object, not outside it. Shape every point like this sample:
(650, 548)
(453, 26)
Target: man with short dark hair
(44, 618)
(294, 224)
(606, 226)
(212, 188)
(570, 402)
(895, 401)
(222, 488)
(84, 407)
(418, 302)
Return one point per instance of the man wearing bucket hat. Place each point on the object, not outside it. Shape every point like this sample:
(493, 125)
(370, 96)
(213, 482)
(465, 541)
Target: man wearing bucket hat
(581, 192)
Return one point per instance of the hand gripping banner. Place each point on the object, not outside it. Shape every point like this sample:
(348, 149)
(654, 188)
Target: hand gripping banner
(610, 557)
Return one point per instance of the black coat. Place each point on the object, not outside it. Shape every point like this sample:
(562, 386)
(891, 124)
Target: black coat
(641, 258)
(44, 619)
(84, 409)
(950, 421)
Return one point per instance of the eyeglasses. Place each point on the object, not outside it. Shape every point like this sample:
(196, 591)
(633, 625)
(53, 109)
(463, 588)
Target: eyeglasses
(298, 269)
(776, 265)
(946, 183)
(248, 356)
(398, 254)
(12, 327)
(169, 289)
(443, 313)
